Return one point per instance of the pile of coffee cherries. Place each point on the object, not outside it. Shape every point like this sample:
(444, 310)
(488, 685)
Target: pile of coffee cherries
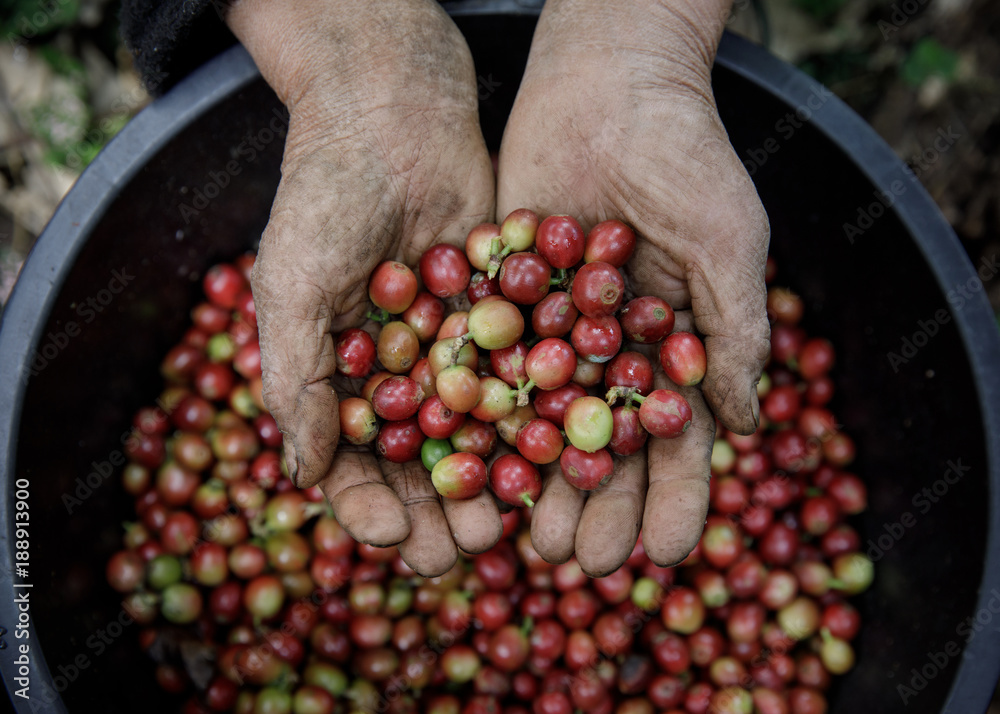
(252, 599)
(536, 360)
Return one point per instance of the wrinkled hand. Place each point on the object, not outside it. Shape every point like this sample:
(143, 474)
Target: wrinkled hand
(615, 118)
(384, 158)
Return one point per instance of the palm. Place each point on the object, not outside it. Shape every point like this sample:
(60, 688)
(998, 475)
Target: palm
(386, 186)
(662, 163)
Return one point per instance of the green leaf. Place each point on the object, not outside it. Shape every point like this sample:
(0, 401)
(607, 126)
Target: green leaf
(928, 58)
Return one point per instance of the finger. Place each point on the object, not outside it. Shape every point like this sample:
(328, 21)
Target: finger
(429, 549)
(718, 254)
(362, 502)
(556, 516)
(728, 299)
(612, 517)
(683, 321)
(474, 523)
(304, 285)
(297, 362)
(677, 497)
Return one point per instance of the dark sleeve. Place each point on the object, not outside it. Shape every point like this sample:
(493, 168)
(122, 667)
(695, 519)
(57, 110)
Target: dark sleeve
(169, 38)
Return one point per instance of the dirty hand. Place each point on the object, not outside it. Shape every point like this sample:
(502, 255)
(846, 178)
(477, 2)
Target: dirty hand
(384, 157)
(615, 118)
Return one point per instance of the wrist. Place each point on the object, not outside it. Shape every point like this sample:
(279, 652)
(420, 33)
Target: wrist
(381, 45)
(672, 40)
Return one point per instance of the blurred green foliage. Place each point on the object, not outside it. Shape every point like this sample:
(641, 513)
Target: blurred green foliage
(28, 19)
(928, 58)
(62, 63)
(834, 67)
(64, 121)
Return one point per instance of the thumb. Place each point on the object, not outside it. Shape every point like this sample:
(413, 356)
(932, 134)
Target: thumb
(728, 299)
(307, 282)
(716, 248)
(297, 360)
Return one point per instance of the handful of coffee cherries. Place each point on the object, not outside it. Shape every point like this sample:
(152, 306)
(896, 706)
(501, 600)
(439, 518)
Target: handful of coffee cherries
(537, 360)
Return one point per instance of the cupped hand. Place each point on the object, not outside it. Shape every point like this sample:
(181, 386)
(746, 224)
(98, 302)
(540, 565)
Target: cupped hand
(615, 118)
(384, 158)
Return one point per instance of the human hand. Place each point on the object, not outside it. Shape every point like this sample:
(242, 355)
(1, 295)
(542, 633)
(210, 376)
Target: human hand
(615, 118)
(384, 158)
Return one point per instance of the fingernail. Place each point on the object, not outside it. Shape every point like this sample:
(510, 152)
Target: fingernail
(755, 407)
(291, 460)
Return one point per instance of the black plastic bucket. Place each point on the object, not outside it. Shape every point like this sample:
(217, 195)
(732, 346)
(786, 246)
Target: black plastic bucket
(108, 288)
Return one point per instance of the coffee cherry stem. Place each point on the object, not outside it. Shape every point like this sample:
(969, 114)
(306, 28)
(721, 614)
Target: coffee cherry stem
(524, 392)
(382, 316)
(457, 346)
(527, 500)
(629, 394)
(529, 622)
(497, 254)
(559, 277)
